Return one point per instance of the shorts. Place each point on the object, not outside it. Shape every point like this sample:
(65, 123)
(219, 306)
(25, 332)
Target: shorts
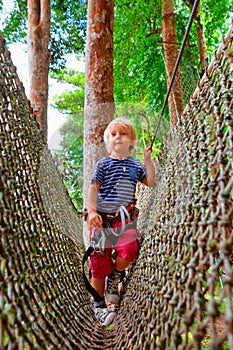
(126, 247)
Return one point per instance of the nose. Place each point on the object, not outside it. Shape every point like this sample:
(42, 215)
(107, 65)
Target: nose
(118, 135)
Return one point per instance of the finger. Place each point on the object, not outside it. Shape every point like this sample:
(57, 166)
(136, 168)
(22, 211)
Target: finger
(98, 221)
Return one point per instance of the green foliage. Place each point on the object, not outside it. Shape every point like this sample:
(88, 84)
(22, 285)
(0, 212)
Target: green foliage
(215, 25)
(216, 20)
(70, 102)
(69, 161)
(68, 28)
(110, 327)
(139, 67)
(139, 64)
(69, 157)
(15, 24)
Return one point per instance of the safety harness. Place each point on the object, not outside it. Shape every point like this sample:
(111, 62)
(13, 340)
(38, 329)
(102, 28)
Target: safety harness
(127, 217)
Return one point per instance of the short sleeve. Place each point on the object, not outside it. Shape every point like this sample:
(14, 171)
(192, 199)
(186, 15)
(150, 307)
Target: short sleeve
(142, 172)
(98, 173)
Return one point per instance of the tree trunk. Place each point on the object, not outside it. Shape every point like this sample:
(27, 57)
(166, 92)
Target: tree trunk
(175, 100)
(38, 59)
(200, 38)
(99, 100)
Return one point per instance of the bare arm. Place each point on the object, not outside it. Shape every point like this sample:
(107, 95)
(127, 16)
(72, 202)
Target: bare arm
(150, 168)
(94, 218)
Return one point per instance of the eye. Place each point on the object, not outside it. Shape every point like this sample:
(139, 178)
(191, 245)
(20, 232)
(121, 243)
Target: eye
(113, 134)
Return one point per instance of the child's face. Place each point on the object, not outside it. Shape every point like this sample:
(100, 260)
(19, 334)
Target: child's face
(119, 139)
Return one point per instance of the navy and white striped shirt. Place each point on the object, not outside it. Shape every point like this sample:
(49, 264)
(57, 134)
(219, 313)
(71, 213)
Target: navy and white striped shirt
(118, 180)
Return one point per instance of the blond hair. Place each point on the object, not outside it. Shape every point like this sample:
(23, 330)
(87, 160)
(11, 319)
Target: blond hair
(128, 125)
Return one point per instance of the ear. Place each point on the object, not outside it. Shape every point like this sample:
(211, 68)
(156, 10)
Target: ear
(133, 144)
(131, 147)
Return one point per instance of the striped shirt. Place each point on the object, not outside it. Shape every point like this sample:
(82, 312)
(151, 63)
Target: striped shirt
(118, 180)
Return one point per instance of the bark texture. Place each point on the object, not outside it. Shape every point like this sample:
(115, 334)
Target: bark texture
(175, 100)
(99, 100)
(38, 59)
(201, 39)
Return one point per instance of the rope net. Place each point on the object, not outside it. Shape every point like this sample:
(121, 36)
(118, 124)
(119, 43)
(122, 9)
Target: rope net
(178, 295)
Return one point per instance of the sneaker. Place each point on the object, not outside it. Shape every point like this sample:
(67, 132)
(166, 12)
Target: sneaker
(104, 316)
(112, 290)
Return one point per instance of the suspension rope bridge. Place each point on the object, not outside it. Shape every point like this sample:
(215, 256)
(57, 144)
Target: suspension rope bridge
(179, 291)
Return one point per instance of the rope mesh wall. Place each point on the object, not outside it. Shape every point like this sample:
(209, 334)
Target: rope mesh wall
(175, 296)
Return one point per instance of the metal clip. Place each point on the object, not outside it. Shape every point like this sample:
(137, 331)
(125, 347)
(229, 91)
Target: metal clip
(98, 239)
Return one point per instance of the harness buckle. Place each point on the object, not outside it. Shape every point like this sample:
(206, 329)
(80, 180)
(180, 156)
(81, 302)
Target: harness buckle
(98, 239)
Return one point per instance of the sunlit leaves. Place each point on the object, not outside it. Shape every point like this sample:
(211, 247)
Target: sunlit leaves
(68, 28)
(69, 157)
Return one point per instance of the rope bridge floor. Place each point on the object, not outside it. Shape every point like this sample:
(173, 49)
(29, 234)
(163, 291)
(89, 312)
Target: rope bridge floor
(180, 289)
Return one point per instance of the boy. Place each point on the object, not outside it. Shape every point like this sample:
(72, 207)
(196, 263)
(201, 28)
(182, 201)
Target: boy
(111, 204)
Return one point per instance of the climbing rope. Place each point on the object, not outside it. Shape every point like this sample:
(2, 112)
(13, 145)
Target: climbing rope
(194, 9)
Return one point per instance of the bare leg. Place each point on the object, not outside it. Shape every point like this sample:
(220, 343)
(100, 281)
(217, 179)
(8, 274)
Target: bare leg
(121, 264)
(99, 285)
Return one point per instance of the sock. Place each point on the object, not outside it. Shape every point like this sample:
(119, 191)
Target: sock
(100, 303)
